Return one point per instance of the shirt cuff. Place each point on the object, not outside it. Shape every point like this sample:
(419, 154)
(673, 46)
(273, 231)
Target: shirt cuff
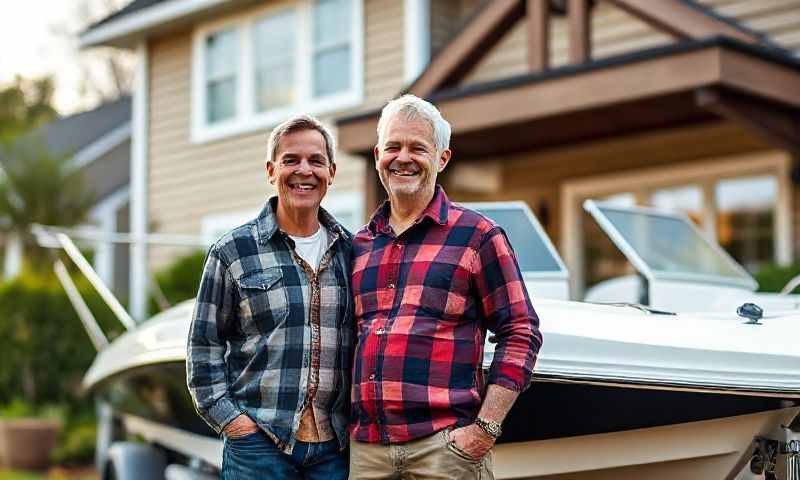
(221, 414)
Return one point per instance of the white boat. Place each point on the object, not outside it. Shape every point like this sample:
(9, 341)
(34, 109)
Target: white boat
(620, 391)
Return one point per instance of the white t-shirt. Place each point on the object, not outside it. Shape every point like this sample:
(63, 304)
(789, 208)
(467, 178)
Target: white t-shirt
(311, 249)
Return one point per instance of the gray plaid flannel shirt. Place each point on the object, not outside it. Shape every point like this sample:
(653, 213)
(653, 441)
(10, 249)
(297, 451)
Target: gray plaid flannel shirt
(249, 348)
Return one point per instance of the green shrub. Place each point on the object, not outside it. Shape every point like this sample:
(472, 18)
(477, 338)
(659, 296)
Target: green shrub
(179, 280)
(772, 277)
(19, 408)
(76, 444)
(45, 350)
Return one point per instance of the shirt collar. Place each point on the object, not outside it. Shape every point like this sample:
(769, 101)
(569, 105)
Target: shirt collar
(267, 221)
(437, 210)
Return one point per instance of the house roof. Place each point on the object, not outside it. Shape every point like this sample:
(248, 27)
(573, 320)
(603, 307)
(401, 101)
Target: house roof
(653, 88)
(142, 18)
(85, 136)
(76, 132)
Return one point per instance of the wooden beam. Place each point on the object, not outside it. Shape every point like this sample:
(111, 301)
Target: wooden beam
(583, 91)
(580, 31)
(538, 35)
(682, 21)
(469, 46)
(778, 126)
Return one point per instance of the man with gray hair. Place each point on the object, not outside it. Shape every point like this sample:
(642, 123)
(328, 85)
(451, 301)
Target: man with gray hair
(270, 345)
(429, 278)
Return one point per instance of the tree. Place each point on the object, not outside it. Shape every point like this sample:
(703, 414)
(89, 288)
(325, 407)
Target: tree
(39, 187)
(106, 73)
(24, 105)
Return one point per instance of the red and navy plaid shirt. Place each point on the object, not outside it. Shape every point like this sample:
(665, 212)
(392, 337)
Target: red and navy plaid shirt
(423, 302)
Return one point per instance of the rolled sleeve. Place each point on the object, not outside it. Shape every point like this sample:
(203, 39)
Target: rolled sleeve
(508, 312)
(206, 371)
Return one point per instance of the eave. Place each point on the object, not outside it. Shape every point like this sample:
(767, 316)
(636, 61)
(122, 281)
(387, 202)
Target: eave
(644, 90)
(128, 30)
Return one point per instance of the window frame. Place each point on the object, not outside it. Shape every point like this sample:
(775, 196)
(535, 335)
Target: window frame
(247, 119)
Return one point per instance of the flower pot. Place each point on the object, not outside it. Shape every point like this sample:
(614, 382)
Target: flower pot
(26, 443)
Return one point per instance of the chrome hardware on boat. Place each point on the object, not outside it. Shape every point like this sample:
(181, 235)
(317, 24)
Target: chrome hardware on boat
(752, 312)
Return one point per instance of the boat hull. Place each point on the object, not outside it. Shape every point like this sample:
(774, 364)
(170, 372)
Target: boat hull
(710, 449)
(556, 430)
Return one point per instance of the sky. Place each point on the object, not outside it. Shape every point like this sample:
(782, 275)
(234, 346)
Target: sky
(38, 37)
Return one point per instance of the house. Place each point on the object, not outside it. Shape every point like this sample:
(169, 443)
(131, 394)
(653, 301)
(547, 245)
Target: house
(675, 102)
(685, 105)
(98, 143)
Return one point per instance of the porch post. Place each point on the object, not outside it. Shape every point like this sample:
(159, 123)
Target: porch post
(139, 155)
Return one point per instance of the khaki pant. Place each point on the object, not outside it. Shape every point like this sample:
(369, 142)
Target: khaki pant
(434, 458)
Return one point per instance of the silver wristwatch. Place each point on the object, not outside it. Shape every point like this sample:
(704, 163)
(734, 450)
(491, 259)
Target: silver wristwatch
(492, 428)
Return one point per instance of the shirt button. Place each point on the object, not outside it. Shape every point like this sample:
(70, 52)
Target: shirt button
(371, 377)
(391, 285)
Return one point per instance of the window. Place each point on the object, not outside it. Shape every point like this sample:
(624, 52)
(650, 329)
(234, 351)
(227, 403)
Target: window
(746, 218)
(332, 50)
(221, 67)
(252, 71)
(273, 45)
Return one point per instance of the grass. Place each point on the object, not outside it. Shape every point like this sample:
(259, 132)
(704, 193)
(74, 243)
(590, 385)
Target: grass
(53, 474)
(15, 475)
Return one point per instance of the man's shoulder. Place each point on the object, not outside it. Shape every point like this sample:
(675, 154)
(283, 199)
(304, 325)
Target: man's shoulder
(237, 242)
(463, 217)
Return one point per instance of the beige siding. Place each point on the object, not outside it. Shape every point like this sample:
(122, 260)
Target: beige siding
(613, 32)
(616, 32)
(383, 48)
(778, 19)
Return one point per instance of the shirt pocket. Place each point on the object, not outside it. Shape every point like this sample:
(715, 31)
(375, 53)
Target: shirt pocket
(264, 303)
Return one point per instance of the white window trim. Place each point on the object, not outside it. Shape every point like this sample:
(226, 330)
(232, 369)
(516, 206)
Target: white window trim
(573, 193)
(104, 215)
(247, 120)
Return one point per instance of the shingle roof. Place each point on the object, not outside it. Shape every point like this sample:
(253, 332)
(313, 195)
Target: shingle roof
(133, 7)
(72, 133)
(69, 135)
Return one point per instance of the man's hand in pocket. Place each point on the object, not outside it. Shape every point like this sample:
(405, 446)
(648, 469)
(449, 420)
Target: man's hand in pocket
(240, 427)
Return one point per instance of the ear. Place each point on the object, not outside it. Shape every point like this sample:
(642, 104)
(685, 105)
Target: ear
(332, 170)
(270, 166)
(444, 159)
(376, 153)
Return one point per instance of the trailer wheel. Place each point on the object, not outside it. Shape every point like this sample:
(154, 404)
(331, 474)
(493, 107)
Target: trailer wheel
(134, 461)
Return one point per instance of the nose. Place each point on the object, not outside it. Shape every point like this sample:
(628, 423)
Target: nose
(404, 155)
(303, 168)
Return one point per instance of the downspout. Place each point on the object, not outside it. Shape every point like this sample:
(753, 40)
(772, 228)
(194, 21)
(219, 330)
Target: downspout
(139, 156)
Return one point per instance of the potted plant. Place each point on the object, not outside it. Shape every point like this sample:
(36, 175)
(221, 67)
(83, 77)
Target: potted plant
(27, 435)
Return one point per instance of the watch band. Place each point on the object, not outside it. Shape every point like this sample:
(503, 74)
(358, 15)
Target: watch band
(492, 428)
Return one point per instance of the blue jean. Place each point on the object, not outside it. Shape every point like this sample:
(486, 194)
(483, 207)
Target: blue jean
(256, 457)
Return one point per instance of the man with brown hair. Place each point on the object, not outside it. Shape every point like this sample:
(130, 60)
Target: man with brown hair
(270, 344)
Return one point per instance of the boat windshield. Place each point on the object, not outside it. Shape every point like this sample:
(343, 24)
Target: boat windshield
(666, 245)
(534, 250)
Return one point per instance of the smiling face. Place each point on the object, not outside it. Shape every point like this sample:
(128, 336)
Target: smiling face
(301, 171)
(407, 162)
